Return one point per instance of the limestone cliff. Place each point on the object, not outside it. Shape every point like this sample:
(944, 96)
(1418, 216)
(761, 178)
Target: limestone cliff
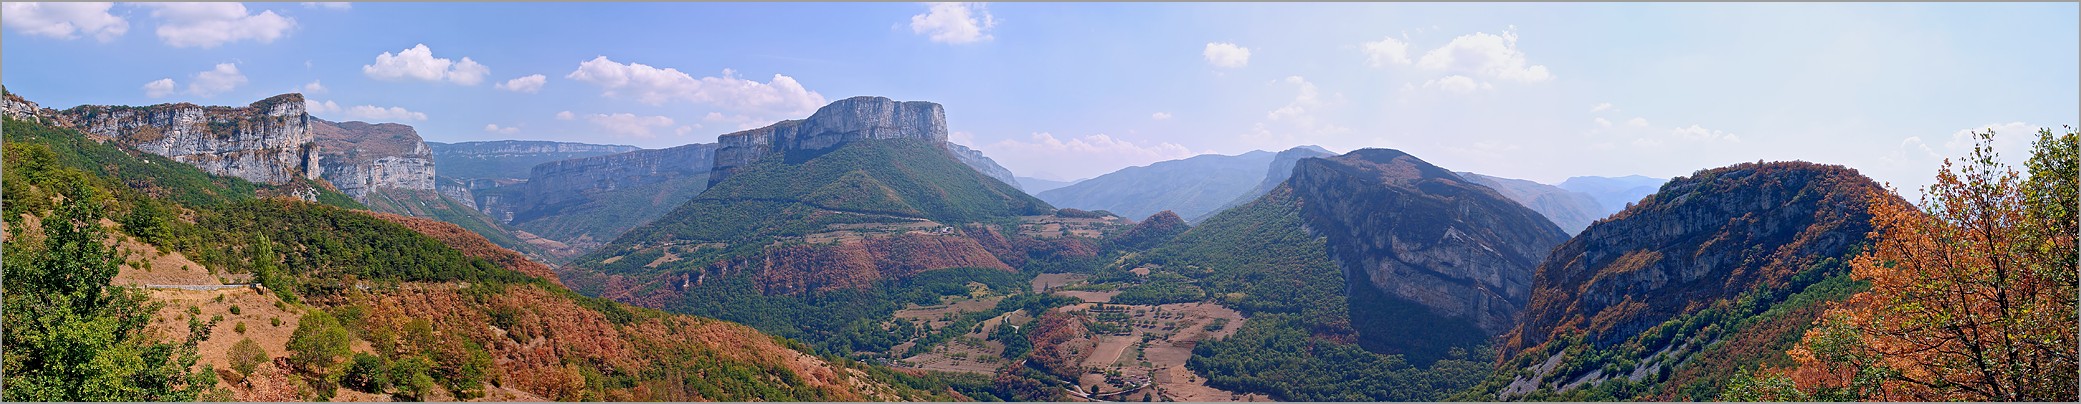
(268, 141)
(358, 157)
(481, 163)
(983, 164)
(835, 124)
(559, 182)
(1420, 235)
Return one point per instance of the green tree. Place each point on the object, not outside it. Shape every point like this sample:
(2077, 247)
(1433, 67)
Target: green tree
(70, 336)
(413, 377)
(367, 373)
(315, 349)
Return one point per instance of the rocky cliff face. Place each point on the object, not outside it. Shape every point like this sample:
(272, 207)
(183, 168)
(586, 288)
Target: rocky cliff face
(1706, 237)
(268, 141)
(983, 164)
(560, 183)
(509, 160)
(843, 121)
(358, 157)
(1418, 234)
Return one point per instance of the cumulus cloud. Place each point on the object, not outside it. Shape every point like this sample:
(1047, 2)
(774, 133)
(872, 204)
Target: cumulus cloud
(1386, 51)
(1601, 107)
(1603, 123)
(781, 96)
(1637, 122)
(2005, 134)
(419, 63)
(314, 107)
(628, 124)
(225, 77)
(1296, 122)
(565, 116)
(1161, 116)
(207, 25)
(524, 84)
(382, 114)
(329, 5)
(159, 88)
(1094, 154)
(1223, 54)
(1695, 132)
(954, 23)
(1458, 84)
(64, 20)
(314, 87)
(504, 130)
(1487, 56)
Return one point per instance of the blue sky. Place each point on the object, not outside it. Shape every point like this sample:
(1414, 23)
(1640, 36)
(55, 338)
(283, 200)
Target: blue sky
(1534, 91)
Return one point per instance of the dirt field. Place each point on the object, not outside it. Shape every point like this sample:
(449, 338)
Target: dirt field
(1049, 226)
(1156, 349)
(935, 315)
(1042, 282)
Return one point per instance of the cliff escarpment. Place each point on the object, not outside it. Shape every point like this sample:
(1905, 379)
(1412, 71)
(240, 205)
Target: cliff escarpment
(1417, 241)
(358, 157)
(268, 141)
(843, 121)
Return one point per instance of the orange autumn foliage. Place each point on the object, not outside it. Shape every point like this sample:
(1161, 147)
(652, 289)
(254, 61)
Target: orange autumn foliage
(1972, 295)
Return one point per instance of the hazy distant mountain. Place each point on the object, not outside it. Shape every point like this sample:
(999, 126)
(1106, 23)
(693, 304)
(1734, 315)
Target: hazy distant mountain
(1035, 185)
(1613, 193)
(1194, 188)
(983, 164)
(1281, 168)
(510, 158)
(1569, 209)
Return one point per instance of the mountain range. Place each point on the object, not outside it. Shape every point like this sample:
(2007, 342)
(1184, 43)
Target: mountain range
(856, 254)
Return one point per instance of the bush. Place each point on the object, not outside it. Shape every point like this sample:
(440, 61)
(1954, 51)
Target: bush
(239, 328)
(412, 375)
(367, 373)
(246, 355)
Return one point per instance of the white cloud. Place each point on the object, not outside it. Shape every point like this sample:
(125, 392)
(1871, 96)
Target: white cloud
(1386, 51)
(1963, 140)
(1296, 122)
(1601, 107)
(1602, 123)
(525, 84)
(683, 130)
(207, 25)
(1695, 132)
(1485, 55)
(565, 116)
(954, 23)
(314, 87)
(1095, 154)
(375, 113)
(961, 138)
(418, 62)
(1458, 84)
(159, 88)
(505, 130)
(1637, 122)
(64, 20)
(1161, 116)
(225, 77)
(314, 107)
(629, 124)
(781, 96)
(1223, 54)
(329, 5)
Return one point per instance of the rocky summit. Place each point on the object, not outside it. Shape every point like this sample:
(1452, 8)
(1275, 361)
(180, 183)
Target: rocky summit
(1420, 235)
(842, 121)
(359, 157)
(268, 141)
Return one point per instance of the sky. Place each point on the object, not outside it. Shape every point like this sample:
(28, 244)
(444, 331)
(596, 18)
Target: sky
(1067, 91)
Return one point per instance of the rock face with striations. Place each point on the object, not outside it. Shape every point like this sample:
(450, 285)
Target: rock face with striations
(268, 141)
(486, 164)
(835, 124)
(1421, 237)
(983, 164)
(563, 182)
(360, 157)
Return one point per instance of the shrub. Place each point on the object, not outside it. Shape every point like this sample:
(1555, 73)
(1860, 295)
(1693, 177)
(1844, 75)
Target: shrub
(367, 373)
(245, 356)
